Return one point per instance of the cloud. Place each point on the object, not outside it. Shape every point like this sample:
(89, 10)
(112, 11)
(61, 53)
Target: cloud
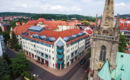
(122, 8)
(120, 4)
(86, 1)
(83, 7)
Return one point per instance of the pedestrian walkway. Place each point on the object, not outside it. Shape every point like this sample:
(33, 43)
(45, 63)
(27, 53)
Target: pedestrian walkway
(56, 72)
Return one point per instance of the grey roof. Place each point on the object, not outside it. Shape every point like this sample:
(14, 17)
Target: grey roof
(35, 35)
(52, 38)
(60, 43)
(74, 35)
(6, 24)
(24, 33)
(43, 37)
(35, 28)
(66, 38)
(81, 33)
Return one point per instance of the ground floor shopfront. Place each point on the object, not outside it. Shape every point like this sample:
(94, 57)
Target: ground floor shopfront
(58, 66)
(37, 58)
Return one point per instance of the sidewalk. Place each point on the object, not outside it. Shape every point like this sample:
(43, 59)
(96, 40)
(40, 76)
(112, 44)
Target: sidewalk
(56, 72)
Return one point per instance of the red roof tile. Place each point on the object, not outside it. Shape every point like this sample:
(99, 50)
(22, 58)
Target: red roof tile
(128, 47)
(89, 31)
(50, 26)
(127, 52)
(56, 34)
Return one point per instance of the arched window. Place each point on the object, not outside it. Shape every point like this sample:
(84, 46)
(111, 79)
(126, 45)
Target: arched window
(108, 2)
(103, 53)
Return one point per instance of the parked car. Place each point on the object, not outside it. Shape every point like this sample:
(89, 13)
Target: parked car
(82, 61)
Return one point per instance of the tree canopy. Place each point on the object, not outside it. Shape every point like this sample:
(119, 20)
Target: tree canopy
(87, 23)
(4, 70)
(13, 23)
(122, 43)
(5, 35)
(14, 42)
(19, 64)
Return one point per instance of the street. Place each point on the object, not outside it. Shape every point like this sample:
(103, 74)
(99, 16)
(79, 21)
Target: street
(77, 72)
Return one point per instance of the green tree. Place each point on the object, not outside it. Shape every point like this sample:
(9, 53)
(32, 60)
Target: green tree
(122, 43)
(5, 57)
(87, 23)
(89, 52)
(14, 42)
(0, 29)
(28, 75)
(19, 64)
(13, 23)
(6, 36)
(4, 70)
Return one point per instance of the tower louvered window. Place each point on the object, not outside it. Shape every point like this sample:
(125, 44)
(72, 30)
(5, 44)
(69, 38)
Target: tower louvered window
(108, 2)
(103, 53)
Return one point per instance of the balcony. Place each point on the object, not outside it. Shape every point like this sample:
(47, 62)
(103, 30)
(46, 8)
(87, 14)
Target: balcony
(60, 56)
(60, 47)
(59, 62)
(60, 50)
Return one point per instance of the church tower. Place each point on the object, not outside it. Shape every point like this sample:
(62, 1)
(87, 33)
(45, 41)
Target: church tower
(105, 41)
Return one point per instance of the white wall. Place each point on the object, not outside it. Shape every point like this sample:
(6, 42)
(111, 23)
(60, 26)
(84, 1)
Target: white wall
(63, 28)
(51, 51)
(29, 46)
(1, 51)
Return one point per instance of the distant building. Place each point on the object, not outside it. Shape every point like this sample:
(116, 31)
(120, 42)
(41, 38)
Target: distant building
(83, 25)
(53, 43)
(127, 49)
(2, 46)
(5, 26)
(125, 29)
(1, 19)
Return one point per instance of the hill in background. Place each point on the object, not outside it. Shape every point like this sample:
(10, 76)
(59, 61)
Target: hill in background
(55, 16)
(49, 16)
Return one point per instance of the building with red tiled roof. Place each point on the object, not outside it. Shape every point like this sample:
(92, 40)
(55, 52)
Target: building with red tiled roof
(125, 29)
(52, 43)
(127, 50)
(5, 26)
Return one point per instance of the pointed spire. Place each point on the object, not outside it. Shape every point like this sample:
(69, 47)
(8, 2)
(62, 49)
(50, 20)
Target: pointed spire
(96, 20)
(117, 21)
(100, 21)
(118, 18)
(108, 15)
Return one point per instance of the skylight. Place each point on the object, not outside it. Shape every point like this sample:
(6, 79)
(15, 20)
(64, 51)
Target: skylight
(36, 29)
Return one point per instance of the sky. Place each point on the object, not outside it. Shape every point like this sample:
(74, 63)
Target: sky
(81, 7)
